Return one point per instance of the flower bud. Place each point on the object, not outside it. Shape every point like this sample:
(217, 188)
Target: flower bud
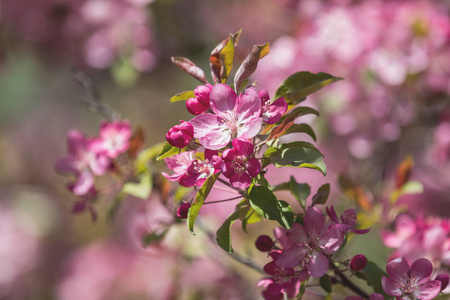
(180, 135)
(264, 243)
(202, 92)
(195, 107)
(443, 279)
(358, 262)
(183, 210)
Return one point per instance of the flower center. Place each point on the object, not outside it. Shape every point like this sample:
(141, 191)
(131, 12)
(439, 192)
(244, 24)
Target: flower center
(239, 164)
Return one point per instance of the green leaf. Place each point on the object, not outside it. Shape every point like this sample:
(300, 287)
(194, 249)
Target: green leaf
(322, 195)
(142, 189)
(325, 283)
(266, 204)
(183, 96)
(260, 180)
(411, 188)
(249, 65)
(252, 217)
(298, 155)
(301, 84)
(124, 74)
(223, 235)
(302, 290)
(300, 191)
(151, 238)
(145, 156)
(168, 150)
(298, 112)
(372, 274)
(200, 198)
(301, 128)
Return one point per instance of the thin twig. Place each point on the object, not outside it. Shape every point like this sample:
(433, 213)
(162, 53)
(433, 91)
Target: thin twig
(224, 200)
(347, 283)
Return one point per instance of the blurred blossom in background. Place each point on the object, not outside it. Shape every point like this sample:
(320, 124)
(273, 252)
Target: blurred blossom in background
(394, 101)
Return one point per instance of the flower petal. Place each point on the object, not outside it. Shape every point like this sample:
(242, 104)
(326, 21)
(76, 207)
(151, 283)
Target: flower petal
(291, 257)
(223, 98)
(428, 290)
(240, 180)
(318, 264)
(250, 128)
(253, 167)
(314, 221)
(348, 217)
(243, 147)
(249, 105)
(420, 271)
(390, 287)
(331, 240)
(76, 142)
(85, 182)
(297, 234)
(398, 270)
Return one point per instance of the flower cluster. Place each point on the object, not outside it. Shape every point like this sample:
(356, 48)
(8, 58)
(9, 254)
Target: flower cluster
(92, 156)
(222, 117)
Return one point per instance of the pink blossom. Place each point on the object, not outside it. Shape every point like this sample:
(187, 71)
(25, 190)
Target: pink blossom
(404, 281)
(346, 221)
(271, 112)
(284, 280)
(180, 135)
(82, 161)
(238, 164)
(312, 241)
(114, 138)
(190, 171)
(200, 103)
(233, 117)
(183, 210)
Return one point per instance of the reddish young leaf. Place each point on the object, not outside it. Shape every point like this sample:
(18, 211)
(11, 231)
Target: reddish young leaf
(190, 68)
(249, 65)
(404, 171)
(136, 142)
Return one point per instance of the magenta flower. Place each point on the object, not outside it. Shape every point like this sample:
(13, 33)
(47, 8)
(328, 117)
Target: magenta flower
(271, 112)
(284, 280)
(238, 164)
(405, 282)
(312, 241)
(82, 161)
(180, 135)
(200, 103)
(190, 171)
(233, 117)
(346, 221)
(114, 138)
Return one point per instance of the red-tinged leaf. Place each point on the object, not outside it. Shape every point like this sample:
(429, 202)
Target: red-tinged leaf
(288, 120)
(215, 59)
(249, 65)
(404, 171)
(136, 142)
(190, 68)
(355, 192)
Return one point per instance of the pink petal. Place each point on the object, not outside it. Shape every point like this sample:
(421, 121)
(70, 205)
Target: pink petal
(318, 264)
(223, 98)
(215, 140)
(243, 147)
(293, 287)
(76, 142)
(85, 182)
(313, 222)
(249, 105)
(331, 240)
(240, 180)
(264, 95)
(66, 165)
(291, 257)
(349, 217)
(297, 234)
(428, 290)
(229, 154)
(253, 167)
(332, 214)
(227, 169)
(276, 110)
(390, 287)
(376, 296)
(421, 270)
(195, 107)
(250, 129)
(398, 269)
(281, 235)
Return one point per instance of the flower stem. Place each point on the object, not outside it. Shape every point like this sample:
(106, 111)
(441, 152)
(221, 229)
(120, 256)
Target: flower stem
(348, 284)
(224, 200)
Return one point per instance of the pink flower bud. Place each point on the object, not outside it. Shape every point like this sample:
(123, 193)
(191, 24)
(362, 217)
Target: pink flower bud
(195, 107)
(358, 262)
(264, 243)
(202, 92)
(180, 135)
(443, 279)
(183, 210)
